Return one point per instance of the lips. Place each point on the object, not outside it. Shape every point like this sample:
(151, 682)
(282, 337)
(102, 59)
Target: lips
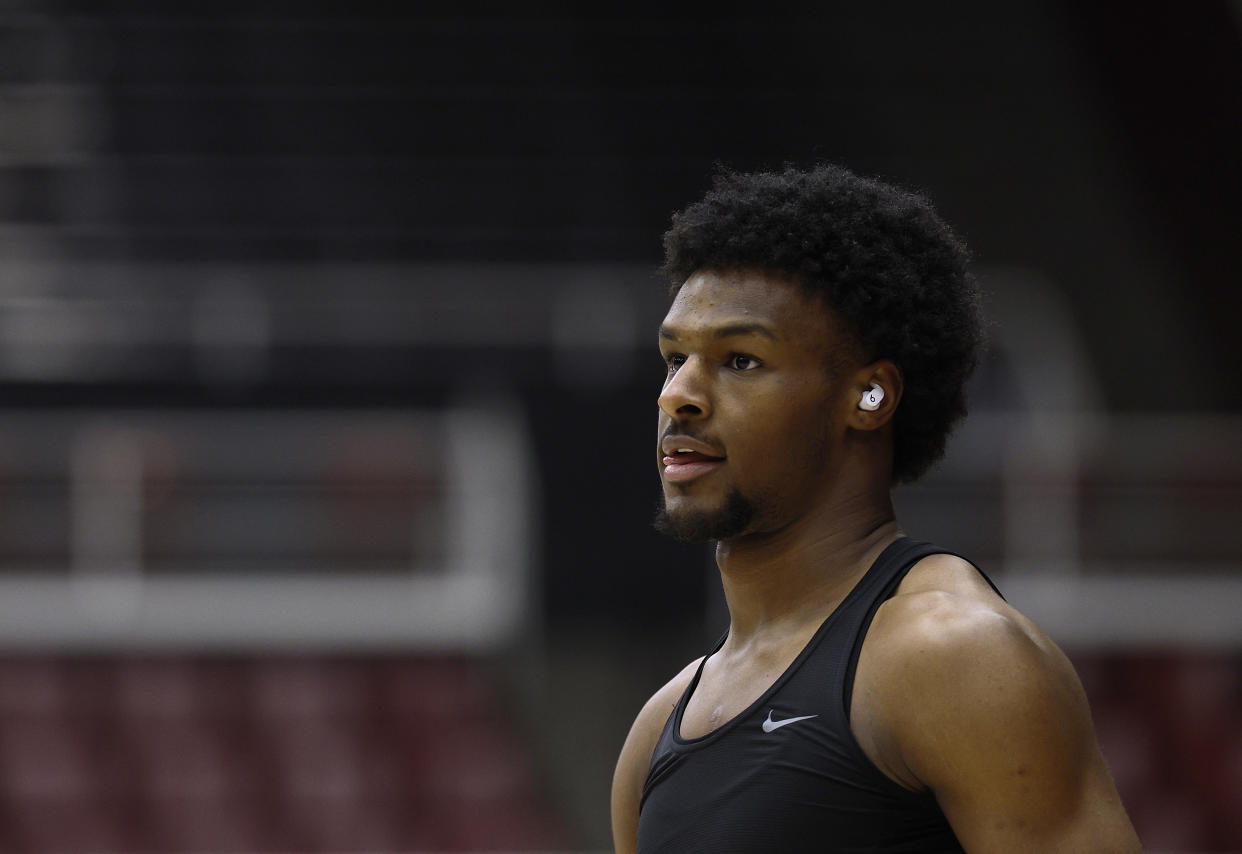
(683, 457)
(674, 445)
(686, 460)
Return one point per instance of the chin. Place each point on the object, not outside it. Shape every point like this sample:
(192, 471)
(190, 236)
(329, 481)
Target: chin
(705, 525)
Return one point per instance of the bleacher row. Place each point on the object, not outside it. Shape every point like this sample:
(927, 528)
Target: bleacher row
(182, 754)
(178, 754)
(1170, 725)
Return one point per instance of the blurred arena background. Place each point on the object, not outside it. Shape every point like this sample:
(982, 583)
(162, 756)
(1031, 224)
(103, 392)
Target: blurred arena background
(328, 370)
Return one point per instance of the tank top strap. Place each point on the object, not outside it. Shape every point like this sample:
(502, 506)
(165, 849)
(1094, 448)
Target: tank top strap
(875, 588)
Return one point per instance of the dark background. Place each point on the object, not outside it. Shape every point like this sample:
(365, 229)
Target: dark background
(1091, 146)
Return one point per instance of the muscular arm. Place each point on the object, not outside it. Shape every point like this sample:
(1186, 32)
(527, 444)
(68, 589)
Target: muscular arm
(631, 771)
(987, 713)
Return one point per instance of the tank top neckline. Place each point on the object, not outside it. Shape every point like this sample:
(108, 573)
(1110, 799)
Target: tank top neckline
(856, 591)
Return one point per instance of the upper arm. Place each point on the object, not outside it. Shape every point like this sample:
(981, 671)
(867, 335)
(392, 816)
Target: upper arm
(631, 770)
(994, 721)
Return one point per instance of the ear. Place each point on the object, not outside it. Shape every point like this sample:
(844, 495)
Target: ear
(887, 376)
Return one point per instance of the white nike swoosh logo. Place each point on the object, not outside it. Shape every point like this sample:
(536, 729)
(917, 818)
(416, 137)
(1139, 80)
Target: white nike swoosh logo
(770, 724)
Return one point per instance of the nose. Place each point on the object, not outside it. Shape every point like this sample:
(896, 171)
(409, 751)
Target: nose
(684, 394)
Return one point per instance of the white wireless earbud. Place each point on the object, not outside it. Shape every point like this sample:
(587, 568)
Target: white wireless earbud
(872, 398)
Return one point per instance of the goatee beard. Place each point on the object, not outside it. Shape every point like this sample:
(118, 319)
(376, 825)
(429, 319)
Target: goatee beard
(707, 526)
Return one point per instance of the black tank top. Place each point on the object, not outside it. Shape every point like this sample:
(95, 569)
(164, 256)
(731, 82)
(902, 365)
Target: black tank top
(787, 775)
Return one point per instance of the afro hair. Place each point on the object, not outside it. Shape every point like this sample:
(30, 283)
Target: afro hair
(886, 263)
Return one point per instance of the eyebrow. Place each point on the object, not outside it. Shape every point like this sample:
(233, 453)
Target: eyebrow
(733, 329)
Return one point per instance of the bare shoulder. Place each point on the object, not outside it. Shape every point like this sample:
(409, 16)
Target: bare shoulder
(959, 693)
(946, 615)
(947, 641)
(631, 770)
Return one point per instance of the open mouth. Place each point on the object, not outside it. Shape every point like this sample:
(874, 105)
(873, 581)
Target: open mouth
(686, 464)
(683, 456)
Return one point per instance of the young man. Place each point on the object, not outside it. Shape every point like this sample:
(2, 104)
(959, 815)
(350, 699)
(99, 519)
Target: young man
(873, 693)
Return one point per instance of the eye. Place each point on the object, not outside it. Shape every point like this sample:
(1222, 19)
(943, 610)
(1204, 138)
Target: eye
(674, 361)
(742, 362)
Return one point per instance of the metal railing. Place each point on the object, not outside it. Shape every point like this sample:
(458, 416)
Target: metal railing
(208, 530)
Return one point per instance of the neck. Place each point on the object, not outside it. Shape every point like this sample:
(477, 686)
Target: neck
(780, 582)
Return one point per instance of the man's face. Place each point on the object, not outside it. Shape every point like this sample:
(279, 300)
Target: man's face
(747, 432)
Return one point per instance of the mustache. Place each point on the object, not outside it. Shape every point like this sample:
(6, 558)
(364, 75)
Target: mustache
(697, 437)
(680, 430)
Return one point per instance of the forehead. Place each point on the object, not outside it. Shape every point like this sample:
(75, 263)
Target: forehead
(713, 299)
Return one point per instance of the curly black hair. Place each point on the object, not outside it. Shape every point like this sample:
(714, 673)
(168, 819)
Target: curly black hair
(889, 266)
